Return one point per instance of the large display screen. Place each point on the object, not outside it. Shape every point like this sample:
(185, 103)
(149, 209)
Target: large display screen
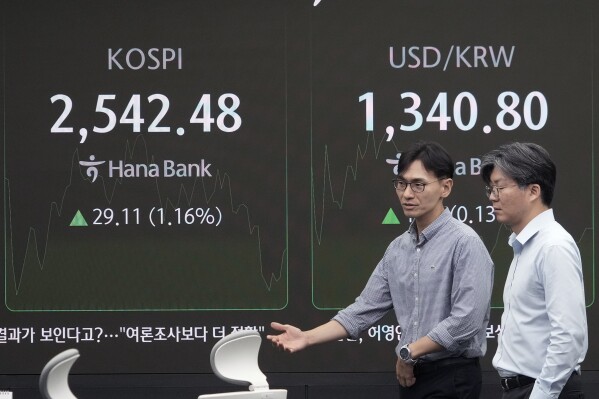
(176, 170)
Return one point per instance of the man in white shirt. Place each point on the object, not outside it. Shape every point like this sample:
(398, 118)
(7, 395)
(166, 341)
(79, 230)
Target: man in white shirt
(544, 335)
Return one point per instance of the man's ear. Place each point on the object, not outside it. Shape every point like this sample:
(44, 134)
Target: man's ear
(446, 185)
(535, 192)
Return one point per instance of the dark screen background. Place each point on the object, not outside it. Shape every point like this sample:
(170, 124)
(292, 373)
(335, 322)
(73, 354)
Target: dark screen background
(300, 186)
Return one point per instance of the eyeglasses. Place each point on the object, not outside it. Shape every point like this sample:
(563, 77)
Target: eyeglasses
(495, 190)
(416, 187)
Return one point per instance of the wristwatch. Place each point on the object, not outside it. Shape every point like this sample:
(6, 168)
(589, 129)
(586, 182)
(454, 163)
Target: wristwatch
(405, 354)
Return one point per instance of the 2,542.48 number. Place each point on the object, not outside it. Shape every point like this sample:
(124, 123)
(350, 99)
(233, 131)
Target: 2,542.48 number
(228, 120)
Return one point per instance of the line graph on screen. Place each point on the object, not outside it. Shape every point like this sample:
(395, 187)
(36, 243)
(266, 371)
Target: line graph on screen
(133, 261)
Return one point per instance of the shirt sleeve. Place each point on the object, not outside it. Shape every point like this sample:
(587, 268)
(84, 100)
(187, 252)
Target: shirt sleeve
(470, 295)
(561, 273)
(372, 304)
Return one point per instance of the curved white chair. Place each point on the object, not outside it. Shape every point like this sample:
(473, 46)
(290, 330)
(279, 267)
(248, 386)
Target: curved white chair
(54, 379)
(235, 359)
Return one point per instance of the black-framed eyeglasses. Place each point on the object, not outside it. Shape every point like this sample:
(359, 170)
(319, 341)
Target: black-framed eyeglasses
(416, 187)
(496, 189)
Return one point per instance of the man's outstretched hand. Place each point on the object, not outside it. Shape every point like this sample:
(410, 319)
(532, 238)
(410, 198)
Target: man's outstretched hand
(291, 339)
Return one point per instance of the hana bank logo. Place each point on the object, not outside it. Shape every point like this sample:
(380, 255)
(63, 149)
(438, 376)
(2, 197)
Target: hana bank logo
(166, 168)
(92, 170)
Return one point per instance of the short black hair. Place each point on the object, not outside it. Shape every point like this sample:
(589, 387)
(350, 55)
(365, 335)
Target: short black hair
(433, 156)
(525, 163)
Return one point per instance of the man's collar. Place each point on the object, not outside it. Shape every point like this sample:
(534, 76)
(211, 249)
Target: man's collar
(433, 228)
(532, 227)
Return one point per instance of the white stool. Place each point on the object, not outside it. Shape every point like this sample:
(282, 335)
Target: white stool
(54, 379)
(235, 359)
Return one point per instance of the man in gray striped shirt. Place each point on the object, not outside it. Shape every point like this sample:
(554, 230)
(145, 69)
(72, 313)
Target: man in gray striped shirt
(437, 277)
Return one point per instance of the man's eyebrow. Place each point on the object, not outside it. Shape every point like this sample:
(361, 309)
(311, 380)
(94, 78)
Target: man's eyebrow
(416, 180)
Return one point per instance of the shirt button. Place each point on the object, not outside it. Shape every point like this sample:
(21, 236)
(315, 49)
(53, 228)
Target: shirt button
(416, 299)
(415, 323)
(417, 249)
